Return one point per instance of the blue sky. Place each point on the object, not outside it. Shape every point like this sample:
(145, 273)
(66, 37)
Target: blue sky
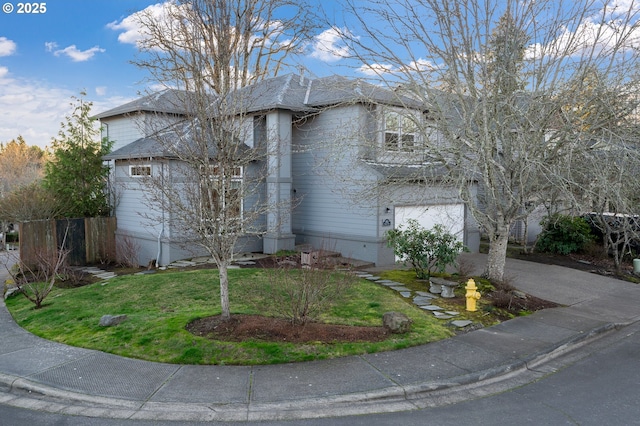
(74, 46)
(87, 45)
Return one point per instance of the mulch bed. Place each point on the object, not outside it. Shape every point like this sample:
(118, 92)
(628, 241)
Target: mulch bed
(255, 327)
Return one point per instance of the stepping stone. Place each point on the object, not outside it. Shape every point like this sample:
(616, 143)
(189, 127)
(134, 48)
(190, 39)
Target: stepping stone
(362, 274)
(421, 300)
(106, 275)
(461, 323)
(391, 284)
(431, 308)
(427, 294)
(441, 315)
(399, 288)
(202, 259)
(405, 294)
(246, 263)
(385, 282)
(182, 264)
(373, 278)
(454, 313)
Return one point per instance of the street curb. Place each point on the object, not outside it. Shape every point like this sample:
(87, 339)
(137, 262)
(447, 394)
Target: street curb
(24, 393)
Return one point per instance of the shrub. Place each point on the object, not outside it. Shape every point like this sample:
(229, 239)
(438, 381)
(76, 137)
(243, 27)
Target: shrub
(563, 234)
(36, 282)
(127, 250)
(427, 250)
(302, 295)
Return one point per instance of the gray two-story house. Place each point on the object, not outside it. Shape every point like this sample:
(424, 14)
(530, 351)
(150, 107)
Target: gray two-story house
(349, 166)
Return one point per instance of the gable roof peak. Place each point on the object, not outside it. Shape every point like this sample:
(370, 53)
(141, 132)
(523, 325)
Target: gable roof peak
(168, 101)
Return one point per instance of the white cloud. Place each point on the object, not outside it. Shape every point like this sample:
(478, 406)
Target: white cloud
(35, 109)
(374, 70)
(606, 32)
(132, 32)
(50, 46)
(7, 47)
(328, 46)
(417, 66)
(75, 54)
(30, 109)
(422, 65)
(101, 90)
(170, 17)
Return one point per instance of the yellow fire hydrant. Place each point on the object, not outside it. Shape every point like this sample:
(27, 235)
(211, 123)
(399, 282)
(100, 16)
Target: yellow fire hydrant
(472, 295)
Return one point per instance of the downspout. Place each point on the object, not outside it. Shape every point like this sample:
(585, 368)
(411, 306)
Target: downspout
(161, 233)
(110, 178)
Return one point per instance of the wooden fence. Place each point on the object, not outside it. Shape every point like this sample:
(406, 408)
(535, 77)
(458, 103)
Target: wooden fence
(89, 240)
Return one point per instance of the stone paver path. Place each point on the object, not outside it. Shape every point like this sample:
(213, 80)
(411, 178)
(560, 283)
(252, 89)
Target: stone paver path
(424, 300)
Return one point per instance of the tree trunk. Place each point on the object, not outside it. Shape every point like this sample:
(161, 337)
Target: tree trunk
(619, 249)
(224, 290)
(494, 270)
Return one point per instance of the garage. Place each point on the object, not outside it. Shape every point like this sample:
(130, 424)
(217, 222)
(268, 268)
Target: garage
(451, 216)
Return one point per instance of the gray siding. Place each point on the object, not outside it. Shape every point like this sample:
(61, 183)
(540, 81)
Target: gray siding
(122, 130)
(333, 206)
(140, 221)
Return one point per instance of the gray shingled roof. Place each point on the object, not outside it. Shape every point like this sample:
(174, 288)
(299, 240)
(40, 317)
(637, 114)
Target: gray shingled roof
(284, 92)
(406, 172)
(167, 101)
(334, 90)
(141, 148)
(289, 92)
(157, 145)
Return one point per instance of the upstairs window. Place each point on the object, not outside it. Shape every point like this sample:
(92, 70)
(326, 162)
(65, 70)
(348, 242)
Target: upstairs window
(400, 131)
(140, 170)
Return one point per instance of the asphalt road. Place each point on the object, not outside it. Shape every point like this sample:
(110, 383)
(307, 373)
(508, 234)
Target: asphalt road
(596, 385)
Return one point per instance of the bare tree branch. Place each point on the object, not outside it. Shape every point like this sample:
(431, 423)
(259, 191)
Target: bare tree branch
(498, 81)
(212, 155)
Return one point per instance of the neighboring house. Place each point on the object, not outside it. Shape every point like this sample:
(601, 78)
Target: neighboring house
(336, 140)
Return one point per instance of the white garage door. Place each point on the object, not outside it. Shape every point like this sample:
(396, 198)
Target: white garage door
(451, 216)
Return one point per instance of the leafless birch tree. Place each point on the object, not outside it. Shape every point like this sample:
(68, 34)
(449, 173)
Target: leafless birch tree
(212, 179)
(497, 80)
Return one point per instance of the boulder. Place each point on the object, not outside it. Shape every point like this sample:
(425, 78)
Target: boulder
(519, 294)
(396, 322)
(111, 320)
(11, 291)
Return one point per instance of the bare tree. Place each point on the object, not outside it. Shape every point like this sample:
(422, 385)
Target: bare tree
(496, 80)
(20, 166)
(36, 281)
(30, 202)
(604, 178)
(212, 179)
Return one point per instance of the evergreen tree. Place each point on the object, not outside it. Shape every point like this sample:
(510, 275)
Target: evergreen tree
(76, 174)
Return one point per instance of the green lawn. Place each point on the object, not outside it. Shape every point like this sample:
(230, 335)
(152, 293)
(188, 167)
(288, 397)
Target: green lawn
(159, 306)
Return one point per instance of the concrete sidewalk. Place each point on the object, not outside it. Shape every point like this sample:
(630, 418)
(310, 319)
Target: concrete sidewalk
(42, 375)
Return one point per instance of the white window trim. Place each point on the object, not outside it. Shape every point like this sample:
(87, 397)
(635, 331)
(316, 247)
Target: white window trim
(401, 114)
(134, 167)
(237, 178)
